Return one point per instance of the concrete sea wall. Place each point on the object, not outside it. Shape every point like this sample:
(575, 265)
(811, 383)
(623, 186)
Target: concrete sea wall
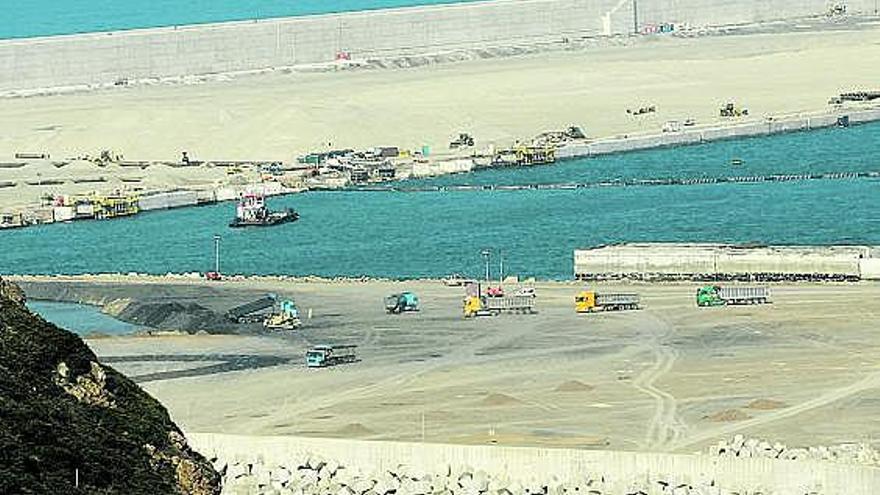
(520, 470)
(105, 58)
(705, 134)
(712, 261)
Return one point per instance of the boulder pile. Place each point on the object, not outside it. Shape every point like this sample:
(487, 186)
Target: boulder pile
(311, 475)
(847, 453)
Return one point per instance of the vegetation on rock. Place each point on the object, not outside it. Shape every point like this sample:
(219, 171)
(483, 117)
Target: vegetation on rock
(69, 424)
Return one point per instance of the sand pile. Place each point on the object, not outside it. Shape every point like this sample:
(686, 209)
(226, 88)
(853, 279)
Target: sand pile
(727, 415)
(766, 404)
(574, 386)
(495, 399)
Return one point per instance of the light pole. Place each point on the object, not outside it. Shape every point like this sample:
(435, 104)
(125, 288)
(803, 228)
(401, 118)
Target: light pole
(217, 253)
(635, 16)
(487, 256)
(500, 268)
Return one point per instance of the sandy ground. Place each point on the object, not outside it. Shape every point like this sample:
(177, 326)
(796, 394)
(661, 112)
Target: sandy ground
(671, 377)
(277, 117)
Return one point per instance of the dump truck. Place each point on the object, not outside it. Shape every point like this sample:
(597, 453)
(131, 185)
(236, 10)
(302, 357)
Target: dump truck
(589, 301)
(714, 295)
(252, 312)
(478, 304)
(401, 303)
(322, 356)
(286, 318)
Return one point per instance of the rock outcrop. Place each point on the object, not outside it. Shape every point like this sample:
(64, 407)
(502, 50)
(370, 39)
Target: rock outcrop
(69, 424)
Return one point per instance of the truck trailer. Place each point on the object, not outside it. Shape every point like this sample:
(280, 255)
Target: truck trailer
(322, 356)
(589, 301)
(714, 295)
(478, 303)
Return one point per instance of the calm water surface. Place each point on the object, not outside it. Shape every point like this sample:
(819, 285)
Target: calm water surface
(28, 18)
(431, 234)
(82, 319)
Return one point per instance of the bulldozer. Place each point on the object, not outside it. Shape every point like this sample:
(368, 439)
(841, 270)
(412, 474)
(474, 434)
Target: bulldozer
(730, 109)
(287, 318)
(463, 140)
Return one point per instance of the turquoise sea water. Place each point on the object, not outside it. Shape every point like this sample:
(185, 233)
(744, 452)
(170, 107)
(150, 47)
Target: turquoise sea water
(28, 18)
(81, 319)
(408, 235)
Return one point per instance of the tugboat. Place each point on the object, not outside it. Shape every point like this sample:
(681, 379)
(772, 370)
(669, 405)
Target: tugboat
(252, 212)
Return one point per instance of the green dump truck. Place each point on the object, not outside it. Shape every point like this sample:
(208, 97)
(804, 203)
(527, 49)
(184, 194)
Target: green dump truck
(714, 295)
(404, 302)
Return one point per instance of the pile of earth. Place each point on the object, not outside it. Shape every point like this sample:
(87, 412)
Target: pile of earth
(69, 424)
(188, 317)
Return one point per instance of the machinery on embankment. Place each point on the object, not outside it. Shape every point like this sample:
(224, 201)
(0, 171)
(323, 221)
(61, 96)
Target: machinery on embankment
(269, 311)
(405, 302)
(286, 318)
(252, 312)
(714, 295)
(479, 303)
(322, 356)
(590, 301)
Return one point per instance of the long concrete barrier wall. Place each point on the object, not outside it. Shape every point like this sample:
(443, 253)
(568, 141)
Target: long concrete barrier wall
(106, 58)
(524, 465)
(716, 132)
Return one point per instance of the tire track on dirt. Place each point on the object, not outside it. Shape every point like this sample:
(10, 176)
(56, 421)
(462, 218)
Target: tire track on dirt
(867, 383)
(665, 425)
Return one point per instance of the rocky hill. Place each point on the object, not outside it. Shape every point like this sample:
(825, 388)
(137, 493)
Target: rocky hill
(69, 424)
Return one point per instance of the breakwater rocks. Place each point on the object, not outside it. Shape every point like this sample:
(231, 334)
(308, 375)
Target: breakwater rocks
(312, 475)
(848, 453)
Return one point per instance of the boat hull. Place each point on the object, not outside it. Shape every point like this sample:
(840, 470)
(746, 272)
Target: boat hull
(277, 218)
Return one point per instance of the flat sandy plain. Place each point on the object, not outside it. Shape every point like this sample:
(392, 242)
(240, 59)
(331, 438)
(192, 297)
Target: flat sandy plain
(670, 377)
(787, 69)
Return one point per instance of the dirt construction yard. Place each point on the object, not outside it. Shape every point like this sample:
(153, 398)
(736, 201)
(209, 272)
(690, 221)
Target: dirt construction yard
(670, 377)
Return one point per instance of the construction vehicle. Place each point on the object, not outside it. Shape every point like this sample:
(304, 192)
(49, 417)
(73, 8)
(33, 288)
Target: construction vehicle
(456, 280)
(286, 318)
(252, 312)
(404, 302)
(714, 295)
(478, 304)
(496, 291)
(322, 356)
(589, 301)
(463, 140)
(731, 110)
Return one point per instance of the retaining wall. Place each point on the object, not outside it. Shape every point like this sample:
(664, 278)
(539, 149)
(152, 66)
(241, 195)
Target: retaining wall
(524, 465)
(105, 58)
(791, 123)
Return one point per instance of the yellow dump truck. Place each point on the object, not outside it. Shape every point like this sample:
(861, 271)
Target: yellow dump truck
(589, 301)
(477, 303)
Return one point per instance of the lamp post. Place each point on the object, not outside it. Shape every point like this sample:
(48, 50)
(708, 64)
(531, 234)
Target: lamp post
(217, 253)
(500, 268)
(487, 256)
